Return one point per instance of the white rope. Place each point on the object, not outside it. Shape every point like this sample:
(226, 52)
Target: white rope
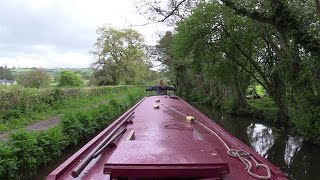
(175, 110)
(236, 153)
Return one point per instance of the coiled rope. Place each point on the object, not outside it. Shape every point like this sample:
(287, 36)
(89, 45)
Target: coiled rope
(242, 155)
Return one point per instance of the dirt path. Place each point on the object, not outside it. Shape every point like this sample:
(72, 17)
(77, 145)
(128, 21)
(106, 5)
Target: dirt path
(46, 124)
(41, 125)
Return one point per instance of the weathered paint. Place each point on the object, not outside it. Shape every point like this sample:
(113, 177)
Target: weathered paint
(165, 145)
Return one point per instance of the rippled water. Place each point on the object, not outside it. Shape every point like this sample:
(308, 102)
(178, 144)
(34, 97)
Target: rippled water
(301, 161)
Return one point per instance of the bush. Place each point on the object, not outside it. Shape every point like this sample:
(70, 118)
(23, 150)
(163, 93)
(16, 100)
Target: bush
(26, 151)
(264, 108)
(52, 142)
(306, 121)
(35, 79)
(72, 128)
(70, 79)
(15, 101)
(8, 162)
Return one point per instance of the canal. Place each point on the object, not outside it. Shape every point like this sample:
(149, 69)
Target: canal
(301, 161)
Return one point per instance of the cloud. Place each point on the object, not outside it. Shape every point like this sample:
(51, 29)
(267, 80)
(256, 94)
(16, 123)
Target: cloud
(61, 33)
(26, 23)
(43, 56)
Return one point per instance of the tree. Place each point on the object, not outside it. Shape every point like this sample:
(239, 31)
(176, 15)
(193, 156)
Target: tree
(70, 79)
(5, 73)
(37, 78)
(119, 57)
(275, 42)
(169, 12)
(200, 40)
(292, 34)
(85, 73)
(292, 19)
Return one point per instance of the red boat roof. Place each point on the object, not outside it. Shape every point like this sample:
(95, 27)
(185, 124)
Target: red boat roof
(159, 142)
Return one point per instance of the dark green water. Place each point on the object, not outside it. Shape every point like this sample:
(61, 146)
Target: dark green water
(301, 161)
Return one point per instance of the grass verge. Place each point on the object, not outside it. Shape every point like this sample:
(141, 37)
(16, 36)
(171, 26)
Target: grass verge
(20, 118)
(26, 152)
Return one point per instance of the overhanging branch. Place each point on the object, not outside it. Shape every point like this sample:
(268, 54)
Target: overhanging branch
(173, 11)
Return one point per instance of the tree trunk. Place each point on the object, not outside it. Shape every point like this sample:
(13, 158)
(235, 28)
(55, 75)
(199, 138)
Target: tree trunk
(318, 6)
(243, 104)
(278, 94)
(241, 83)
(283, 111)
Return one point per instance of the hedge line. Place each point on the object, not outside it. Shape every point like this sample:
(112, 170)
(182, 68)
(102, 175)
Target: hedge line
(25, 151)
(15, 100)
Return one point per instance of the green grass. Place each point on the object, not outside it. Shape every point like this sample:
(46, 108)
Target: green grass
(25, 152)
(54, 84)
(265, 106)
(260, 90)
(64, 106)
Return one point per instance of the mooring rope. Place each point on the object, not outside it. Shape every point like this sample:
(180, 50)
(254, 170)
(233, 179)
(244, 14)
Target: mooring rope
(175, 110)
(236, 153)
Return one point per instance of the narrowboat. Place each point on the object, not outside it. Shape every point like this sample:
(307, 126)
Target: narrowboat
(164, 137)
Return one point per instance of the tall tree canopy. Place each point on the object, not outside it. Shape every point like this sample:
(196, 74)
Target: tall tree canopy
(119, 57)
(223, 46)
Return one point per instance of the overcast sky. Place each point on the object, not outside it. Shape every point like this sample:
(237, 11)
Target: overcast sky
(61, 33)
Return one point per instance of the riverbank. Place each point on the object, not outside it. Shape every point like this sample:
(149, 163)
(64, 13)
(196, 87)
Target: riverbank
(265, 109)
(26, 151)
(262, 108)
(298, 159)
(21, 107)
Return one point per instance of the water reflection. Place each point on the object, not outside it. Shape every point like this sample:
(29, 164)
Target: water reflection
(301, 161)
(261, 138)
(293, 146)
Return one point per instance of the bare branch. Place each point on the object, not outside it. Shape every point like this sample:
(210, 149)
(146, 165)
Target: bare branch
(173, 11)
(281, 18)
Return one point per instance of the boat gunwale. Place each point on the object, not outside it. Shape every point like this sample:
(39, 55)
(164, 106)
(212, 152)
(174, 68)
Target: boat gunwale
(73, 160)
(225, 135)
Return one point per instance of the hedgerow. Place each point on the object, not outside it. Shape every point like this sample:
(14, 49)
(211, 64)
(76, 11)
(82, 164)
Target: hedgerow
(95, 96)
(16, 101)
(26, 152)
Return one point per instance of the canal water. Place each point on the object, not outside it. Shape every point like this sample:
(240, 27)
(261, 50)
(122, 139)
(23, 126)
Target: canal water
(301, 161)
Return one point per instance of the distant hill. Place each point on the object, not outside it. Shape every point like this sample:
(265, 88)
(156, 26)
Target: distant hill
(53, 72)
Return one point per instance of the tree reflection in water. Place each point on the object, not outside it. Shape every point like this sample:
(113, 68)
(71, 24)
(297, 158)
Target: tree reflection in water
(301, 161)
(293, 146)
(261, 138)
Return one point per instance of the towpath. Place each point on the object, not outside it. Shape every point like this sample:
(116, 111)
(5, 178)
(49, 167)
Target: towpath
(41, 125)
(48, 123)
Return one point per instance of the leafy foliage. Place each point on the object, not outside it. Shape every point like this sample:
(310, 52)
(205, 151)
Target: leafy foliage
(5, 73)
(8, 161)
(119, 57)
(26, 151)
(223, 47)
(17, 103)
(35, 79)
(70, 79)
